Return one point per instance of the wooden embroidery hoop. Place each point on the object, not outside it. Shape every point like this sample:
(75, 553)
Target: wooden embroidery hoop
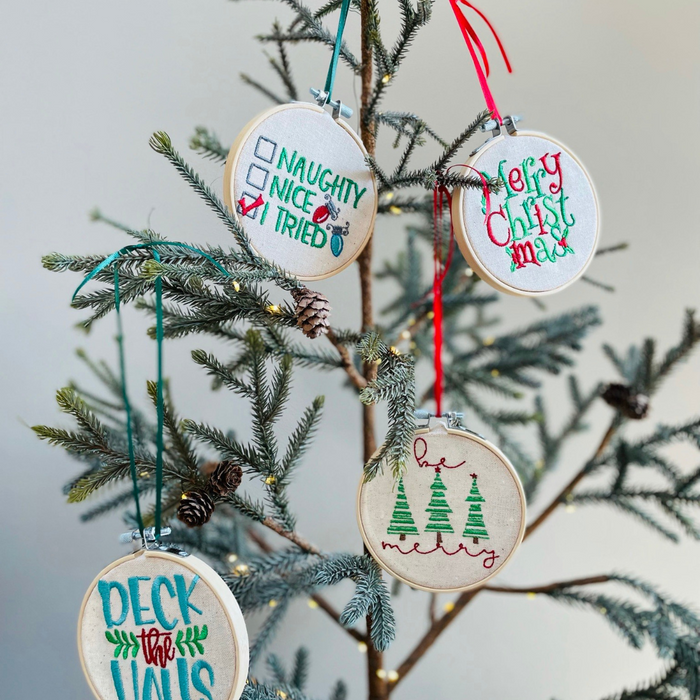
(215, 584)
(460, 228)
(521, 531)
(234, 157)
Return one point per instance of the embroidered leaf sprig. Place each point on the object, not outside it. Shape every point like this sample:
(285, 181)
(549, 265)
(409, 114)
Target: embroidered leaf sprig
(123, 643)
(192, 639)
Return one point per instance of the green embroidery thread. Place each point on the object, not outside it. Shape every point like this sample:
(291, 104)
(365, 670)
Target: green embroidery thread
(123, 643)
(402, 522)
(191, 639)
(474, 527)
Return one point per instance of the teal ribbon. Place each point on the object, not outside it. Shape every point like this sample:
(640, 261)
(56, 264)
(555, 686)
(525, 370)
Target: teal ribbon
(332, 68)
(160, 409)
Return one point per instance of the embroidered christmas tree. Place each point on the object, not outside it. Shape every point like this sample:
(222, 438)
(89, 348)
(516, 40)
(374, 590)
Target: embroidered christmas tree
(474, 526)
(402, 522)
(438, 508)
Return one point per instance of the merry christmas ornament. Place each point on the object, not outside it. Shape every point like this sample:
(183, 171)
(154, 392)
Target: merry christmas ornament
(453, 519)
(162, 624)
(298, 180)
(539, 233)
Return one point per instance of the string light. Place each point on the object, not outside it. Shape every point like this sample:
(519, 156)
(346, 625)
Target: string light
(395, 351)
(570, 508)
(490, 340)
(395, 210)
(270, 480)
(272, 603)
(232, 558)
(389, 196)
(532, 595)
(312, 603)
(448, 607)
(362, 647)
(381, 673)
(393, 676)
(495, 372)
(241, 570)
(281, 694)
(143, 474)
(236, 286)
(273, 309)
(603, 611)
(386, 78)
(430, 315)
(183, 497)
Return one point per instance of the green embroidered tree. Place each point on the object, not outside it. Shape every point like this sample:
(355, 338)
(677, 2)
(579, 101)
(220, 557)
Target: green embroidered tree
(438, 508)
(474, 526)
(402, 522)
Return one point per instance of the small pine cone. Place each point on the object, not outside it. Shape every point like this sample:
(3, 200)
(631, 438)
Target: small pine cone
(312, 312)
(621, 398)
(226, 478)
(195, 508)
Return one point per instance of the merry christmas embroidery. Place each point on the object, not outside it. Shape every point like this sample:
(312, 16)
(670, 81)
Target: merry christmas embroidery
(290, 184)
(439, 522)
(158, 641)
(533, 225)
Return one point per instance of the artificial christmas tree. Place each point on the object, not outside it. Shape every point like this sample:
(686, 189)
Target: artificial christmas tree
(248, 307)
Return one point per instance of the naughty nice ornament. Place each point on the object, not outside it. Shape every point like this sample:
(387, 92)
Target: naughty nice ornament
(453, 519)
(299, 183)
(539, 233)
(162, 626)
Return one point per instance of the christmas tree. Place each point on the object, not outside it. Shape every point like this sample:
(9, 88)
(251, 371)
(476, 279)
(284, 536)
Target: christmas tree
(401, 523)
(487, 353)
(474, 526)
(439, 520)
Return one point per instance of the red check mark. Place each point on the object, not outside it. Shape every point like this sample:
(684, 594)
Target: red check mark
(246, 208)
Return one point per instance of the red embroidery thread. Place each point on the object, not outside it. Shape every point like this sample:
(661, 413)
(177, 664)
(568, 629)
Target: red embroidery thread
(245, 208)
(487, 563)
(424, 451)
(157, 651)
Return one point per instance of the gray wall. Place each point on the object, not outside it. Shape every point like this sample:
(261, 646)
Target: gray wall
(82, 86)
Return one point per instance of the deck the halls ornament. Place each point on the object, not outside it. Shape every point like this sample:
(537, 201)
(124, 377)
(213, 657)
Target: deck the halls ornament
(159, 624)
(540, 232)
(299, 181)
(165, 626)
(454, 518)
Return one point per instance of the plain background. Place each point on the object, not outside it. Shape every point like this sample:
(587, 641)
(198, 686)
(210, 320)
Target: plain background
(82, 86)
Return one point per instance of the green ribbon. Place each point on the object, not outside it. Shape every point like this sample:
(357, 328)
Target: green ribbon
(332, 68)
(160, 410)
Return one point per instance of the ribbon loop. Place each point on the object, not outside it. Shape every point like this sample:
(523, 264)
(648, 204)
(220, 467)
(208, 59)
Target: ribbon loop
(332, 68)
(472, 39)
(160, 407)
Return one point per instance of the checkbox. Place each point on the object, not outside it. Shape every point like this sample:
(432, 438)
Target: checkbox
(257, 177)
(265, 149)
(248, 198)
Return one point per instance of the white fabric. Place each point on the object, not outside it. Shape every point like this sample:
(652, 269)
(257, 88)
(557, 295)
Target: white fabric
(502, 510)
(580, 203)
(220, 613)
(313, 134)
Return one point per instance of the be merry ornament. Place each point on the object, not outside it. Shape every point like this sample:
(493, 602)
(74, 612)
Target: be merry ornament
(454, 518)
(299, 182)
(540, 232)
(158, 625)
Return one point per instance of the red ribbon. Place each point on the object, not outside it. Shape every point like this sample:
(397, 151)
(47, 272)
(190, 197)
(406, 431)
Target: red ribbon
(471, 38)
(441, 195)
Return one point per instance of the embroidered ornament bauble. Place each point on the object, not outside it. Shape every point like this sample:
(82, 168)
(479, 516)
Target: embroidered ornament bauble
(298, 180)
(453, 519)
(540, 232)
(158, 624)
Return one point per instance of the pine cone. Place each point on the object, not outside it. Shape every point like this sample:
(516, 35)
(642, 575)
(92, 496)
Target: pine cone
(312, 312)
(195, 508)
(226, 478)
(621, 398)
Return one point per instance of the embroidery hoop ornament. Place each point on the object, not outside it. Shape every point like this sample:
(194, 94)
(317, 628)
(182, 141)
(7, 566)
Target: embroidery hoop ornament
(309, 120)
(473, 236)
(94, 648)
(380, 494)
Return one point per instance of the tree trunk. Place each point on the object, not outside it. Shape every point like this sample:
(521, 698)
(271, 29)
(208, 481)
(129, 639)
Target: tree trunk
(439, 538)
(403, 536)
(377, 687)
(475, 540)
